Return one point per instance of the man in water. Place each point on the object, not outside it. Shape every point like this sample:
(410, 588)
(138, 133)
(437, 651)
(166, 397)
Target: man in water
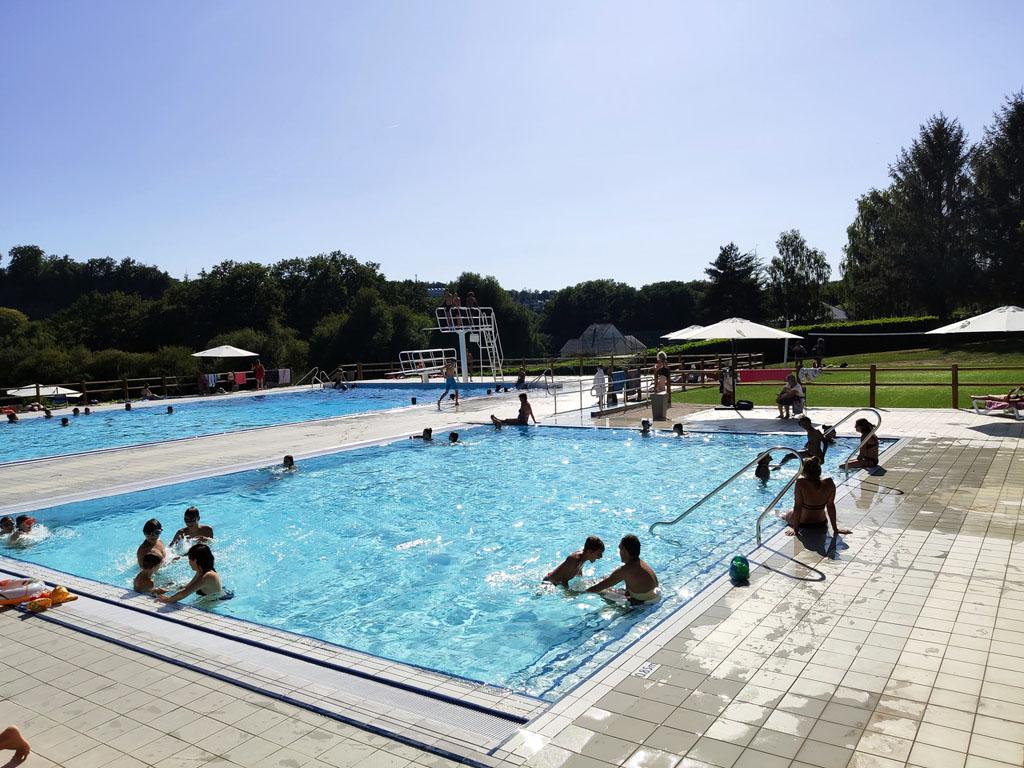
(453, 438)
(289, 463)
(426, 435)
(151, 544)
(572, 566)
(814, 447)
(522, 420)
(192, 530)
(641, 581)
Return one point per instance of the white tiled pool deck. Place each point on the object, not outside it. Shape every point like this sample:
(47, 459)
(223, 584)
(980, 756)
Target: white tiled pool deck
(901, 647)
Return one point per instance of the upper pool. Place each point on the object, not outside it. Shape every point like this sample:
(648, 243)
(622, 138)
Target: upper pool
(432, 554)
(148, 422)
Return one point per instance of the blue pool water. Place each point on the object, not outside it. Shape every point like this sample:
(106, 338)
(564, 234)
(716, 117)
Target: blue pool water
(433, 554)
(33, 438)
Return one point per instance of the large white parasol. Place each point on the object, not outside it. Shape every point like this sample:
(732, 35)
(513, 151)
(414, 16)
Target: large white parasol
(42, 390)
(683, 333)
(737, 328)
(1000, 320)
(225, 350)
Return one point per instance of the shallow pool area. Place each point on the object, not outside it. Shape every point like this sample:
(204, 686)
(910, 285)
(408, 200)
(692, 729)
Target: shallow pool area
(149, 422)
(432, 554)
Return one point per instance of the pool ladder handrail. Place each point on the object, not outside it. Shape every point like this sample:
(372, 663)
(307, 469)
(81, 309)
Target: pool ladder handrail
(846, 464)
(787, 451)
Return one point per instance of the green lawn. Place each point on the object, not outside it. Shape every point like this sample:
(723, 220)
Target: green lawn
(986, 354)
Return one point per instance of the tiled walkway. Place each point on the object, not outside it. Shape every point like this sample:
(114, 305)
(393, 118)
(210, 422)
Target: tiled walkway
(903, 647)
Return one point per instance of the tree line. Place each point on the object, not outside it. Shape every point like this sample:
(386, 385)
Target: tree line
(946, 236)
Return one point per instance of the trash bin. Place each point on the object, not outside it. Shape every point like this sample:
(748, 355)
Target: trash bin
(659, 405)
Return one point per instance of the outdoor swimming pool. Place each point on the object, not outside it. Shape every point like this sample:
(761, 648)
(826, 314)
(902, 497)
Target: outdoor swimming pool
(432, 554)
(148, 422)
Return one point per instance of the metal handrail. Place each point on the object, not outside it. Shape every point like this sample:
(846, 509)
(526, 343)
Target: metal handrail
(855, 451)
(788, 451)
(314, 370)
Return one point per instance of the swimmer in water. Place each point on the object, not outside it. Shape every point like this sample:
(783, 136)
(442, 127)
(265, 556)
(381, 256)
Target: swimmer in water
(763, 469)
(127, 406)
(678, 429)
(192, 530)
(23, 527)
(147, 569)
(170, 409)
(289, 463)
(645, 428)
(6, 526)
(572, 566)
(88, 411)
(151, 544)
(12, 417)
(453, 438)
(47, 413)
(206, 582)
(641, 581)
(75, 411)
(426, 435)
(64, 422)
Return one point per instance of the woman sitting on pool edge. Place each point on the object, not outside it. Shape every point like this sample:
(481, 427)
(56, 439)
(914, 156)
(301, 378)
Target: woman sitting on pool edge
(206, 582)
(814, 501)
(522, 420)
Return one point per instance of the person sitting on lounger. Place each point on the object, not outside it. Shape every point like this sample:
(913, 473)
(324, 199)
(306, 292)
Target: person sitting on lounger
(572, 566)
(522, 420)
(641, 581)
(867, 456)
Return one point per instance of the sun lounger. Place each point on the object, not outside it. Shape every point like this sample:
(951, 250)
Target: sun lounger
(987, 404)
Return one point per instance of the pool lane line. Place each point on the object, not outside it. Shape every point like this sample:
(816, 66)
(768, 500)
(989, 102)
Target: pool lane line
(309, 707)
(518, 719)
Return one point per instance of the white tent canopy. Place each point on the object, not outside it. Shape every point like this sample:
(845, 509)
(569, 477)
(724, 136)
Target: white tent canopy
(999, 320)
(738, 328)
(683, 333)
(43, 390)
(225, 350)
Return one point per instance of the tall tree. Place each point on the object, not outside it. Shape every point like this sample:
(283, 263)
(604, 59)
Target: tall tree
(734, 286)
(999, 202)
(932, 189)
(797, 278)
(876, 279)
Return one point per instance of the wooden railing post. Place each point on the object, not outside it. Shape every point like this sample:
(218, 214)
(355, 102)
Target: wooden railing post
(163, 385)
(954, 371)
(871, 386)
(85, 392)
(124, 386)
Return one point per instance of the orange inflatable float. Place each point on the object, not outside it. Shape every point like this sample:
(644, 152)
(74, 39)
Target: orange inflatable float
(15, 591)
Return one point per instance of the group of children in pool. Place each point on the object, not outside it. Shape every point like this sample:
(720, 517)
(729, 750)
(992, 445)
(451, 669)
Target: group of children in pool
(152, 554)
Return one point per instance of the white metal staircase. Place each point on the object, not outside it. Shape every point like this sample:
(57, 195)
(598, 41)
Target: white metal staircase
(480, 325)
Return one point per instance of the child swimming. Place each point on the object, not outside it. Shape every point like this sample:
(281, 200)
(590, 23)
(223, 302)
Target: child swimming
(147, 568)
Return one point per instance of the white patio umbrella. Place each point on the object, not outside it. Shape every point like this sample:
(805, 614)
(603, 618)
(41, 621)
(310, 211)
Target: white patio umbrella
(1000, 320)
(738, 328)
(683, 333)
(225, 350)
(42, 390)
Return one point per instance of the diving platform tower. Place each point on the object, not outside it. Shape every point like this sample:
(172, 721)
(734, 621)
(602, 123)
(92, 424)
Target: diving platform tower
(481, 327)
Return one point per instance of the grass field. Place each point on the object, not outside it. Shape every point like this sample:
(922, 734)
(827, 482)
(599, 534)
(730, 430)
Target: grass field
(822, 393)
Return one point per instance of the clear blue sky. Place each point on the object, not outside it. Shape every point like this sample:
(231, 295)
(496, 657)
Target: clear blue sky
(542, 142)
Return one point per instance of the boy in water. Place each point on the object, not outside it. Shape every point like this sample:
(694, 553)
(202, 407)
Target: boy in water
(192, 530)
(641, 581)
(151, 544)
(289, 463)
(6, 526)
(763, 470)
(426, 435)
(147, 568)
(572, 566)
(23, 526)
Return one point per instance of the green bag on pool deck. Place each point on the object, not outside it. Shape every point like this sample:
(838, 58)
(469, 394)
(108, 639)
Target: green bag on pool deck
(739, 569)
